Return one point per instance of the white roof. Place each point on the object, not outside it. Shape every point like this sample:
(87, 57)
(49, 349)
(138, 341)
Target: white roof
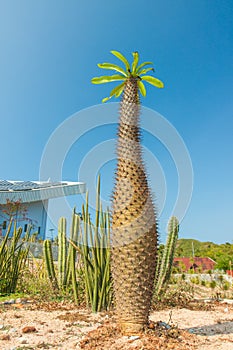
(33, 191)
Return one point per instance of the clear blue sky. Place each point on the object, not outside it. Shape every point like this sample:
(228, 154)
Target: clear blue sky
(49, 52)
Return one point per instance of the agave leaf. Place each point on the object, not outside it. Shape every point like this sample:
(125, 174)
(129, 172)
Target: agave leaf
(144, 71)
(153, 81)
(112, 67)
(143, 65)
(107, 79)
(122, 58)
(135, 61)
(142, 88)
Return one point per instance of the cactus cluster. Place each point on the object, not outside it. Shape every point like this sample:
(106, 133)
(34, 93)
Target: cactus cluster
(66, 256)
(94, 247)
(165, 260)
(91, 242)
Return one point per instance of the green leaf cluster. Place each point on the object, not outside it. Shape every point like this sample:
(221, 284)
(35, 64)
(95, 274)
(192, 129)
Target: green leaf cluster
(135, 70)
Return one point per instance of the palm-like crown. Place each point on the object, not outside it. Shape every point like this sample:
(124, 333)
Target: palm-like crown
(136, 70)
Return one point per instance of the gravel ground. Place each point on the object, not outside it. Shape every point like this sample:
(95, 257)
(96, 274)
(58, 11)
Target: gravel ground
(64, 326)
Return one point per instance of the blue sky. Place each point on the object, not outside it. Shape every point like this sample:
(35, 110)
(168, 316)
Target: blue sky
(49, 52)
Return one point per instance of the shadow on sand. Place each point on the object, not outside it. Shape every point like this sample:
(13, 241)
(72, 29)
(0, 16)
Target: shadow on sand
(222, 327)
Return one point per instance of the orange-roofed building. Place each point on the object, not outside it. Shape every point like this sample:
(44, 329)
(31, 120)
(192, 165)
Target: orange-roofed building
(196, 264)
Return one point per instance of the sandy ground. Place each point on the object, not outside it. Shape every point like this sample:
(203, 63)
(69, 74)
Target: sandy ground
(63, 326)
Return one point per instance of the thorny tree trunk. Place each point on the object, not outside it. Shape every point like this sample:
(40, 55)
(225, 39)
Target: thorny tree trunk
(134, 231)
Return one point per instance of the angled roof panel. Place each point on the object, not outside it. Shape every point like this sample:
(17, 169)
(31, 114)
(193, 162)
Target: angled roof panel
(27, 191)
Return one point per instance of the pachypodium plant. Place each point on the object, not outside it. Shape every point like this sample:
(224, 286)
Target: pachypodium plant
(134, 229)
(165, 260)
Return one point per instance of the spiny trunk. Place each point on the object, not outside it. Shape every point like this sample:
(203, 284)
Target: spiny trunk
(134, 233)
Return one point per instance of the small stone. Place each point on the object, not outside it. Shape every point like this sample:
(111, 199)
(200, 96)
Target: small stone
(18, 301)
(29, 329)
(23, 341)
(163, 325)
(4, 337)
(133, 337)
(11, 301)
(151, 325)
(13, 330)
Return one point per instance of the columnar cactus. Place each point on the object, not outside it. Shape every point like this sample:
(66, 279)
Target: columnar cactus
(48, 255)
(166, 260)
(95, 253)
(62, 252)
(66, 256)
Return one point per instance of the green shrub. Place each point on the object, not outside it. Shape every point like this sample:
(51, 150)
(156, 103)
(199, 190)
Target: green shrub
(226, 285)
(213, 284)
(13, 256)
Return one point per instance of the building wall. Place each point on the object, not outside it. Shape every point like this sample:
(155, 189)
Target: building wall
(34, 214)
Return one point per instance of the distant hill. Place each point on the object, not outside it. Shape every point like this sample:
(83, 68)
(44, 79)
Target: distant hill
(221, 253)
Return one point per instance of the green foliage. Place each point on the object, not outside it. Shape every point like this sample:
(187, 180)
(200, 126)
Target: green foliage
(179, 294)
(221, 253)
(226, 285)
(135, 71)
(165, 258)
(13, 255)
(213, 284)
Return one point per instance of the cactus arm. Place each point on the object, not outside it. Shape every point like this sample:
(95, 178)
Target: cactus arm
(48, 256)
(62, 268)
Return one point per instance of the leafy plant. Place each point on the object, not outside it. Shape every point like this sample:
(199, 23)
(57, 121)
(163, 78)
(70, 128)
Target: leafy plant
(13, 255)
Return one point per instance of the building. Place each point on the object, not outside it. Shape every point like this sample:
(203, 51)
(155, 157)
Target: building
(197, 264)
(27, 202)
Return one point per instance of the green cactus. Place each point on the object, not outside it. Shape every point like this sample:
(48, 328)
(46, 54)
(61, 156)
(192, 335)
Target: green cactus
(94, 247)
(165, 260)
(71, 257)
(47, 249)
(62, 253)
(92, 242)
(66, 257)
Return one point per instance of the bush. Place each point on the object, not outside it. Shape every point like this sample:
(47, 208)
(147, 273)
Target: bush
(179, 295)
(226, 285)
(213, 284)
(13, 255)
